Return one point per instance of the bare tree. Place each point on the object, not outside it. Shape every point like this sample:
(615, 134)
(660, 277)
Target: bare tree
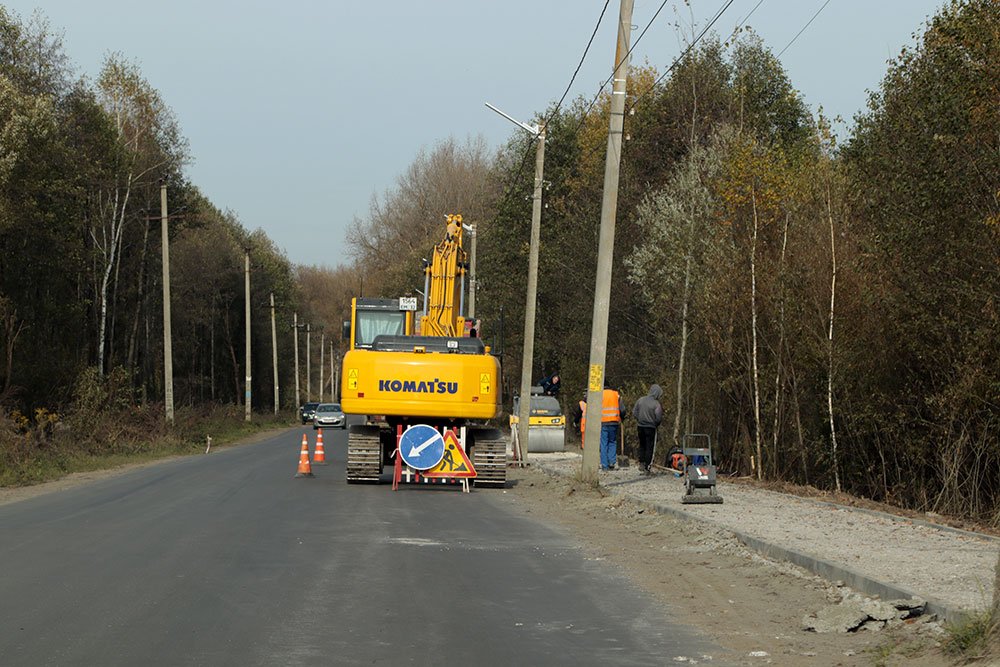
(829, 340)
(147, 143)
(753, 328)
(12, 328)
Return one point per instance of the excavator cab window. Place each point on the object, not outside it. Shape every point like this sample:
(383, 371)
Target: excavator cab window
(371, 323)
(372, 317)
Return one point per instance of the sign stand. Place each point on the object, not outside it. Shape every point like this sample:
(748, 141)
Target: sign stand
(454, 464)
(515, 444)
(397, 467)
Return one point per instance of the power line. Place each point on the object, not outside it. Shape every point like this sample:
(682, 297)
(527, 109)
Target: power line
(673, 66)
(690, 47)
(582, 58)
(600, 90)
(804, 28)
(527, 151)
(745, 19)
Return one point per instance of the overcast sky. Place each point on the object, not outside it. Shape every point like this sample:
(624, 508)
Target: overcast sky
(298, 112)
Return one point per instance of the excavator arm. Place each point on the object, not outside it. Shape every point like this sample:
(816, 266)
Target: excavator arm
(444, 283)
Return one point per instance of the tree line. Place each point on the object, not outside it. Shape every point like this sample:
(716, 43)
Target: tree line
(81, 165)
(824, 307)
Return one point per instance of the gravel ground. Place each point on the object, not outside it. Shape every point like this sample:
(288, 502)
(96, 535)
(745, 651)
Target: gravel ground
(953, 567)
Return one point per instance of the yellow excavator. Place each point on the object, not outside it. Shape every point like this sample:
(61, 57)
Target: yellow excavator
(435, 371)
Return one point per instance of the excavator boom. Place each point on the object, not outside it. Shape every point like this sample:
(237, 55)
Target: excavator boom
(444, 282)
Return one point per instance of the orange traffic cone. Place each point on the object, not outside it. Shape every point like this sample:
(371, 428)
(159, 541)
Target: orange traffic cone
(305, 470)
(319, 456)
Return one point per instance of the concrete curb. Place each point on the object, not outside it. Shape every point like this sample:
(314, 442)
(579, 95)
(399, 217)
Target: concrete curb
(822, 568)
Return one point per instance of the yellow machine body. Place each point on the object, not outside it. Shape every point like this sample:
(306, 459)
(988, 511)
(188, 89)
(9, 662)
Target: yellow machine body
(559, 422)
(420, 384)
(400, 371)
(399, 364)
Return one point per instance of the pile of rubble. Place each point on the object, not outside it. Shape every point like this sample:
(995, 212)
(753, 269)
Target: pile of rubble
(856, 613)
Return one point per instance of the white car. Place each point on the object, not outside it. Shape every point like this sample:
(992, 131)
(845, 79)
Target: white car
(329, 415)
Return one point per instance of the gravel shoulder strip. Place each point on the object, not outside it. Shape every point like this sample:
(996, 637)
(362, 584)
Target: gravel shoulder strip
(873, 552)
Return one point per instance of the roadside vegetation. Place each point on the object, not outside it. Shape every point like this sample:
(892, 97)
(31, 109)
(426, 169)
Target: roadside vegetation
(108, 428)
(82, 159)
(823, 303)
(977, 636)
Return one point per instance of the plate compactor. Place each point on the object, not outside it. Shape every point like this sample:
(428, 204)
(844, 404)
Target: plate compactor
(699, 472)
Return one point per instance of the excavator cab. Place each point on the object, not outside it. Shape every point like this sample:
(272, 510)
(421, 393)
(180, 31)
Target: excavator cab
(378, 317)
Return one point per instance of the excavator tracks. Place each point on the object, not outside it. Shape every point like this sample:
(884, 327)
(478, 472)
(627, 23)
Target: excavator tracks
(489, 456)
(364, 454)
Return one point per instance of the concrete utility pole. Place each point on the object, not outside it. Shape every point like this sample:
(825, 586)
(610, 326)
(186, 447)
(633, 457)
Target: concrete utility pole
(247, 286)
(168, 355)
(472, 274)
(308, 367)
(334, 377)
(322, 350)
(528, 356)
(274, 354)
(605, 250)
(295, 330)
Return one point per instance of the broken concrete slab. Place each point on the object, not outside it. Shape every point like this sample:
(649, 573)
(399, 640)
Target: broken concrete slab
(871, 626)
(836, 618)
(879, 611)
(909, 608)
(855, 613)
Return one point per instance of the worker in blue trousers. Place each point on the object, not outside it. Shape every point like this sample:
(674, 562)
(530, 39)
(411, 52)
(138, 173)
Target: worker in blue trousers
(612, 412)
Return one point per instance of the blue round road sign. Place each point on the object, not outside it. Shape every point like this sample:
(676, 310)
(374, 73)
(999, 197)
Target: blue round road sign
(422, 447)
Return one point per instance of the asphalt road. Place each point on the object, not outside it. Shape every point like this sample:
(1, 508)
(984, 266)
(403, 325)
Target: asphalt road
(228, 559)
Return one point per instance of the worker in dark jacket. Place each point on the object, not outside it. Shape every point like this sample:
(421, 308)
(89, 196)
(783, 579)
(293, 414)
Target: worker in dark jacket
(648, 414)
(551, 385)
(580, 417)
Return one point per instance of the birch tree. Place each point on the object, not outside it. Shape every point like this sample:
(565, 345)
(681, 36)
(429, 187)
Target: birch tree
(752, 190)
(677, 225)
(829, 341)
(148, 146)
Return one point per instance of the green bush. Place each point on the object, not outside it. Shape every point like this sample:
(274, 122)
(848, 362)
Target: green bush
(106, 427)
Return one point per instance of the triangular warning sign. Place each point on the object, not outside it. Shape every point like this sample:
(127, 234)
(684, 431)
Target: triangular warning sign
(454, 463)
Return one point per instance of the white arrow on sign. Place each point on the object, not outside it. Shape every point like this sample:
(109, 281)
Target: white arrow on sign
(415, 451)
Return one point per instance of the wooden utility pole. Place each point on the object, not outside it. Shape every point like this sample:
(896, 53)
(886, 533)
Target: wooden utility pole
(274, 354)
(606, 246)
(246, 283)
(308, 367)
(168, 356)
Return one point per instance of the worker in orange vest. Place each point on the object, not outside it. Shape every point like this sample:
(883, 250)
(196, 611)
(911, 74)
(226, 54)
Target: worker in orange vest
(612, 412)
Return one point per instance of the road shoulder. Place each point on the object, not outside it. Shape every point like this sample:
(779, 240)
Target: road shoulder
(747, 603)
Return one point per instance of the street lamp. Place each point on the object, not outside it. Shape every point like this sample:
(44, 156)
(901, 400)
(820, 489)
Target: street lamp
(527, 362)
